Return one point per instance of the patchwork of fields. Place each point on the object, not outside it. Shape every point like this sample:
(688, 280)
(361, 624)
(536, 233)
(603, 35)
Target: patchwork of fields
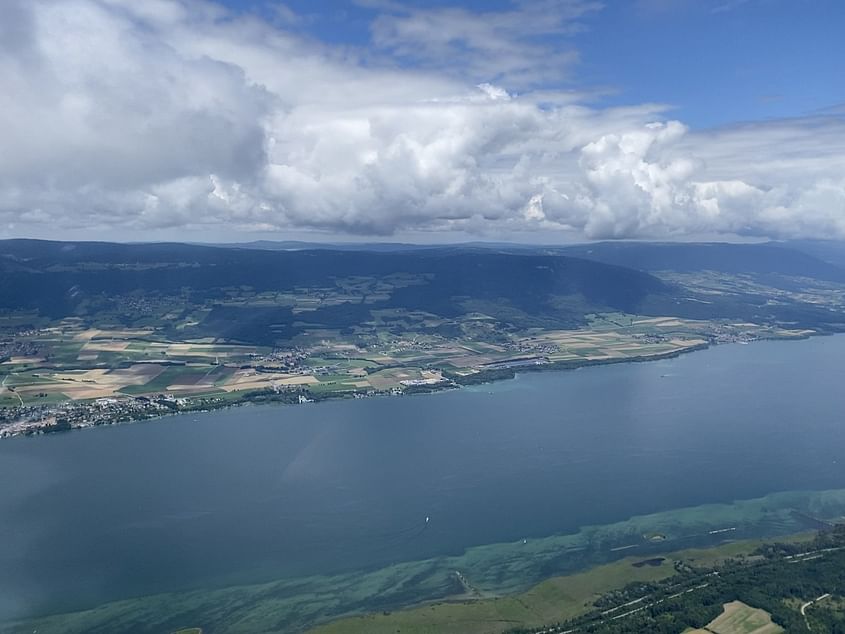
(72, 363)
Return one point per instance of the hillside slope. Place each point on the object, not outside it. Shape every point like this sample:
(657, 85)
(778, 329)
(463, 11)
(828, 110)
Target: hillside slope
(245, 291)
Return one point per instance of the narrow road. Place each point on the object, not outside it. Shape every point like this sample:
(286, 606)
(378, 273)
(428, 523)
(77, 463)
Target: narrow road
(808, 604)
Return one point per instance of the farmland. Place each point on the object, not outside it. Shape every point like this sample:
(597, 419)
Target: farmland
(92, 333)
(62, 371)
(738, 618)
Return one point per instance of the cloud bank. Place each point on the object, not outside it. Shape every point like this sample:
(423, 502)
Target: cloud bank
(178, 116)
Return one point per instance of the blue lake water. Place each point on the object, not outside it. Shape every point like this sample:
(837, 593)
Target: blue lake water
(258, 493)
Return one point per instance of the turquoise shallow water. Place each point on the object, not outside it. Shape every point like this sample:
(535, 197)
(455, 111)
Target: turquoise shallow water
(293, 605)
(330, 491)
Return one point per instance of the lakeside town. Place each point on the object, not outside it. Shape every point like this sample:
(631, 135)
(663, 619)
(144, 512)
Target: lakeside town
(45, 392)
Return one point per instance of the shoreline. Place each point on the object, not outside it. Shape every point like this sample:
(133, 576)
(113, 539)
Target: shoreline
(658, 568)
(453, 382)
(499, 572)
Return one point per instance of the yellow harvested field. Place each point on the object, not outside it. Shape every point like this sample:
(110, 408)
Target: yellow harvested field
(661, 321)
(579, 337)
(106, 346)
(254, 385)
(96, 333)
(137, 374)
(686, 343)
(199, 350)
(74, 391)
(193, 350)
(98, 383)
(181, 347)
(184, 388)
(568, 335)
(300, 380)
(82, 376)
(82, 392)
(739, 618)
(48, 388)
(22, 360)
(85, 335)
(251, 380)
(669, 322)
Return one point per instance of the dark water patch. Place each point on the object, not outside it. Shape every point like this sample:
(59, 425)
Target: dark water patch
(654, 561)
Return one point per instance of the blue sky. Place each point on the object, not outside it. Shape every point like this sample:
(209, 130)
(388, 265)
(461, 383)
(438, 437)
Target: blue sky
(526, 120)
(715, 61)
(749, 61)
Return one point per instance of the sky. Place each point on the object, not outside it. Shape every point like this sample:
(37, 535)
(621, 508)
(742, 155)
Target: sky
(545, 121)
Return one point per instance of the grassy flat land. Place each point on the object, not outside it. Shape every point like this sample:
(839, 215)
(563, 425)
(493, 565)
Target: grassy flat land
(738, 618)
(553, 601)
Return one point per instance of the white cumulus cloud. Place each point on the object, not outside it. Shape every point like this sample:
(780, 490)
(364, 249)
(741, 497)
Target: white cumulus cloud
(177, 117)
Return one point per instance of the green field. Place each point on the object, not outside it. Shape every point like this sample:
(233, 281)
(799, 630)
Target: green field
(170, 376)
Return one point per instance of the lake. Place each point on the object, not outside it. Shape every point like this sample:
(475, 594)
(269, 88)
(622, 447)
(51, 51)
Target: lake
(344, 488)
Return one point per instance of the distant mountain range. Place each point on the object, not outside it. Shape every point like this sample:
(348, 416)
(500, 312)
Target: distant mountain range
(256, 292)
(818, 259)
(831, 251)
(58, 279)
(759, 259)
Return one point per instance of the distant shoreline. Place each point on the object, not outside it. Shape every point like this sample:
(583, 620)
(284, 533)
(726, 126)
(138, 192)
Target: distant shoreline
(454, 382)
